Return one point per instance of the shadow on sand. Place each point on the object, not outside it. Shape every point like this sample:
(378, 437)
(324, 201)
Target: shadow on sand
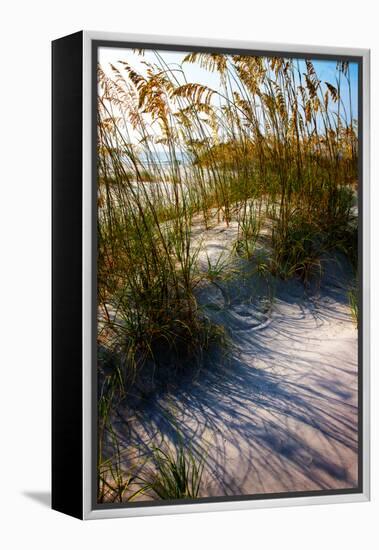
(279, 414)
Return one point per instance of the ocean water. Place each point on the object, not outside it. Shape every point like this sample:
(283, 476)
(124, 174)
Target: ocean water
(163, 158)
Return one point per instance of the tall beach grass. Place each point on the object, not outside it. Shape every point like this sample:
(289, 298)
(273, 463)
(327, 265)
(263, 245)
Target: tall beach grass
(273, 149)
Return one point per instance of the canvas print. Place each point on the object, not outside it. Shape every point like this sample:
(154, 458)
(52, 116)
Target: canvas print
(227, 192)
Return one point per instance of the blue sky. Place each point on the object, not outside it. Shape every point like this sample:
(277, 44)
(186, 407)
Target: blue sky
(325, 69)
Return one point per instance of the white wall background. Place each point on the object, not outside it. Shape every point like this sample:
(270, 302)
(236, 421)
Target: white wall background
(27, 27)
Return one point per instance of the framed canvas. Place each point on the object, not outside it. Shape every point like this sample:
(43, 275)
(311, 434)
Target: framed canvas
(210, 275)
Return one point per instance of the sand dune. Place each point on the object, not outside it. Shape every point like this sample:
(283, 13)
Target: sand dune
(279, 411)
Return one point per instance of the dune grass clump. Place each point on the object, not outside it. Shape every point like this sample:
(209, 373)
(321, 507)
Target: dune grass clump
(297, 250)
(176, 474)
(353, 301)
(146, 266)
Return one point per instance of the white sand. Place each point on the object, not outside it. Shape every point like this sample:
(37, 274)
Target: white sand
(280, 413)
